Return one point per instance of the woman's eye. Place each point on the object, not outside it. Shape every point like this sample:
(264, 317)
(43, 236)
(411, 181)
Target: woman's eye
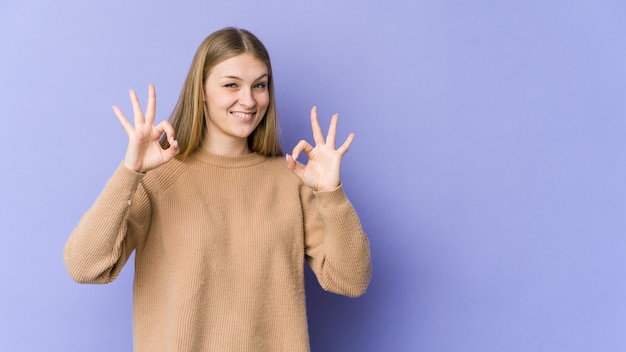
(230, 85)
(260, 85)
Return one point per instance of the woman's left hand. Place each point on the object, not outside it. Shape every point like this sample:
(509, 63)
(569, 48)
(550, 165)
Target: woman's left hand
(322, 170)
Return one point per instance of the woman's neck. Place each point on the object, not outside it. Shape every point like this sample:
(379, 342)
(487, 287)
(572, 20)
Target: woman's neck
(226, 147)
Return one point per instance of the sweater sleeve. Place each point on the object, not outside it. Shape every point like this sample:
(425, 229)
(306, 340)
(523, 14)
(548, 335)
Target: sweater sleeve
(109, 231)
(336, 246)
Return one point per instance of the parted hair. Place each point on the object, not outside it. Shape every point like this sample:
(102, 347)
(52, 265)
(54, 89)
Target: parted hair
(188, 118)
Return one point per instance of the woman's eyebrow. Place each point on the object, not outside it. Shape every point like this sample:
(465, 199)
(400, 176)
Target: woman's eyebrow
(240, 79)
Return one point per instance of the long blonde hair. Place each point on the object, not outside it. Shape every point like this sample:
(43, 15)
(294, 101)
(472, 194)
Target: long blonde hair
(188, 117)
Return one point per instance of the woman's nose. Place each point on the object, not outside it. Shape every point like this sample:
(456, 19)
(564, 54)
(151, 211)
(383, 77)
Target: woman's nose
(246, 98)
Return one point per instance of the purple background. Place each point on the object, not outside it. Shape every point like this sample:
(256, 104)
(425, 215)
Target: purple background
(488, 169)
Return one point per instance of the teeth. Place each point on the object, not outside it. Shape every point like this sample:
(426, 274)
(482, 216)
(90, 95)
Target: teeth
(243, 115)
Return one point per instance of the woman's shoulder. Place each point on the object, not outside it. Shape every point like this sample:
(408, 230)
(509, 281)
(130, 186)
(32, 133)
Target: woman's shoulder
(165, 175)
(277, 166)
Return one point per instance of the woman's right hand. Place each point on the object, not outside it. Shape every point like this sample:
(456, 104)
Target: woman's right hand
(144, 151)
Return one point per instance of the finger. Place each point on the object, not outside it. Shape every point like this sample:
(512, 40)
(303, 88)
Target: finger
(318, 135)
(172, 151)
(166, 127)
(302, 146)
(291, 162)
(346, 145)
(123, 120)
(332, 131)
(295, 166)
(151, 108)
(136, 108)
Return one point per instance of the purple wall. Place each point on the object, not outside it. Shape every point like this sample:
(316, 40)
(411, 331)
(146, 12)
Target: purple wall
(489, 166)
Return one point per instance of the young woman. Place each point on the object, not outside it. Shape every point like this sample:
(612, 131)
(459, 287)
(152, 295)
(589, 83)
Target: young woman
(220, 222)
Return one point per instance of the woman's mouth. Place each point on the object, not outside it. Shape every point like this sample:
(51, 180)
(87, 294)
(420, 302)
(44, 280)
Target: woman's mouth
(243, 116)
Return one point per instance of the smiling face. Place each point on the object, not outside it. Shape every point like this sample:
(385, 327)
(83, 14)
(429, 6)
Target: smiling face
(236, 99)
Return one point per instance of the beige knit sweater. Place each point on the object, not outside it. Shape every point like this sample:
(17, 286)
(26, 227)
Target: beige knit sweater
(220, 245)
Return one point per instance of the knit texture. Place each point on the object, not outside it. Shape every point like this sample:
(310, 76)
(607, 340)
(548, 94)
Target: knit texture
(220, 243)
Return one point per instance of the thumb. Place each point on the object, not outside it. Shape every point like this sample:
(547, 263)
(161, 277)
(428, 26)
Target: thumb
(294, 166)
(172, 150)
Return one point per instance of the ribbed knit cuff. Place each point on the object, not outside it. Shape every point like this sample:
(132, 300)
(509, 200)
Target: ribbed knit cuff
(331, 198)
(122, 184)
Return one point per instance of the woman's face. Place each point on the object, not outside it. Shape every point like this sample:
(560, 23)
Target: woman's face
(236, 98)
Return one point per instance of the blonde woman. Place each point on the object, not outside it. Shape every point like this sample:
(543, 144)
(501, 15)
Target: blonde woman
(221, 223)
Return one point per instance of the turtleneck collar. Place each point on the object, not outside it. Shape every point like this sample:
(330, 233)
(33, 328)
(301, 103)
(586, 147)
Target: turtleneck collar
(227, 161)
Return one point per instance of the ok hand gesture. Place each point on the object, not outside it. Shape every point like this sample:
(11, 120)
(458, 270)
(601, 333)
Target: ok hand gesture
(144, 152)
(322, 170)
